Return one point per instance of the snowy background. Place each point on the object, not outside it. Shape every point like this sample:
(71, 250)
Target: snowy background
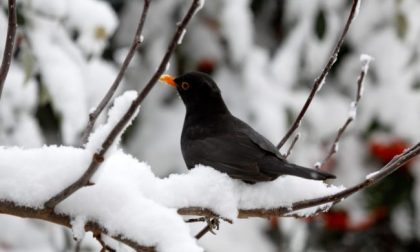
(264, 55)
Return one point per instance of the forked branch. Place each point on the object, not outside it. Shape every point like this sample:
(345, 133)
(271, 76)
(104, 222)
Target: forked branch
(365, 59)
(321, 79)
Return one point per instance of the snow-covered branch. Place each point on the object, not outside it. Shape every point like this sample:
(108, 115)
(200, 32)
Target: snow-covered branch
(323, 203)
(10, 208)
(365, 60)
(108, 140)
(9, 45)
(317, 85)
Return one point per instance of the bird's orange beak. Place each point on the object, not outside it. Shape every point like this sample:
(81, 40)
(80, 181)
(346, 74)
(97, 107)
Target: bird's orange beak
(168, 79)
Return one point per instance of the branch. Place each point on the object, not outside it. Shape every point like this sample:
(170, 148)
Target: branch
(10, 43)
(353, 109)
(370, 180)
(137, 40)
(98, 157)
(321, 79)
(289, 151)
(10, 208)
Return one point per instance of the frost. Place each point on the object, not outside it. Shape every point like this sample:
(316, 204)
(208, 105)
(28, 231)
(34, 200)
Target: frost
(181, 37)
(372, 175)
(353, 111)
(120, 107)
(321, 84)
(357, 10)
(365, 59)
(336, 147)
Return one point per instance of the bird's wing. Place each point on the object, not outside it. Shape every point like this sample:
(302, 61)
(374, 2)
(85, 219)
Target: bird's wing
(257, 138)
(234, 154)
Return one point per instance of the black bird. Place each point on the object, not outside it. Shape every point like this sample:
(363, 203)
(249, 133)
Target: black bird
(212, 136)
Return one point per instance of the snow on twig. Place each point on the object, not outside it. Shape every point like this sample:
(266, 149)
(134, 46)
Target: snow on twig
(137, 40)
(98, 156)
(365, 60)
(321, 79)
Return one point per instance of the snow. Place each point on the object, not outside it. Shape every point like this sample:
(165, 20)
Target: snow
(357, 10)
(235, 15)
(336, 147)
(120, 107)
(200, 5)
(264, 77)
(127, 186)
(78, 227)
(61, 69)
(353, 111)
(365, 59)
(372, 175)
(321, 84)
(201, 187)
(181, 38)
(94, 30)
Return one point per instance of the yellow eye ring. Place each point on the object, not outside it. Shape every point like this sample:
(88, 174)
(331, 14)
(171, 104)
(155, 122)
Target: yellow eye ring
(185, 85)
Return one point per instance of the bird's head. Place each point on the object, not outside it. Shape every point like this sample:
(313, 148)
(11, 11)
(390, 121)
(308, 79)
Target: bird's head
(197, 90)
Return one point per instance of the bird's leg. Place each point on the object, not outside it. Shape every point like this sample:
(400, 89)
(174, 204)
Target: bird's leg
(213, 224)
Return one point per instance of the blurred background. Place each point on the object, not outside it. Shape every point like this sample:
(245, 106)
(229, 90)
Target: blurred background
(264, 55)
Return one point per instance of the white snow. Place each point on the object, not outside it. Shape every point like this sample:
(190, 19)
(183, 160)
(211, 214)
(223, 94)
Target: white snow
(120, 107)
(128, 198)
(352, 111)
(336, 147)
(372, 174)
(78, 227)
(181, 38)
(357, 10)
(321, 84)
(365, 59)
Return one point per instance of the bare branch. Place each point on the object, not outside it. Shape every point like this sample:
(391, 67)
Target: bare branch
(321, 79)
(137, 40)
(370, 180)
(9, 45)
(10, 208)
(98, 157)
(289, 151)
(350, 118)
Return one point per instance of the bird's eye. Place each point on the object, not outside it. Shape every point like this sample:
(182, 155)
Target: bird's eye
(185, 85)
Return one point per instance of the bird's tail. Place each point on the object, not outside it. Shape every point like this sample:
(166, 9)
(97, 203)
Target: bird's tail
(277, 167)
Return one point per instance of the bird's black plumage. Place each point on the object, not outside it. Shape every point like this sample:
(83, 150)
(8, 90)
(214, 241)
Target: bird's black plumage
(213, 136)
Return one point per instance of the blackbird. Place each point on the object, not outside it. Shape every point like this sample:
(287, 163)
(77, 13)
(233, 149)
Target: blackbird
(212, 136)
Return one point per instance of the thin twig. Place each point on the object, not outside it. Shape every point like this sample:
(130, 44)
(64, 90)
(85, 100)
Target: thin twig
(9, 45)
(10, 208)
(350, 118)
(335, 198)
(137, 40)
(201, 219)
(289, 151)
(321, 79)
(98, 157)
